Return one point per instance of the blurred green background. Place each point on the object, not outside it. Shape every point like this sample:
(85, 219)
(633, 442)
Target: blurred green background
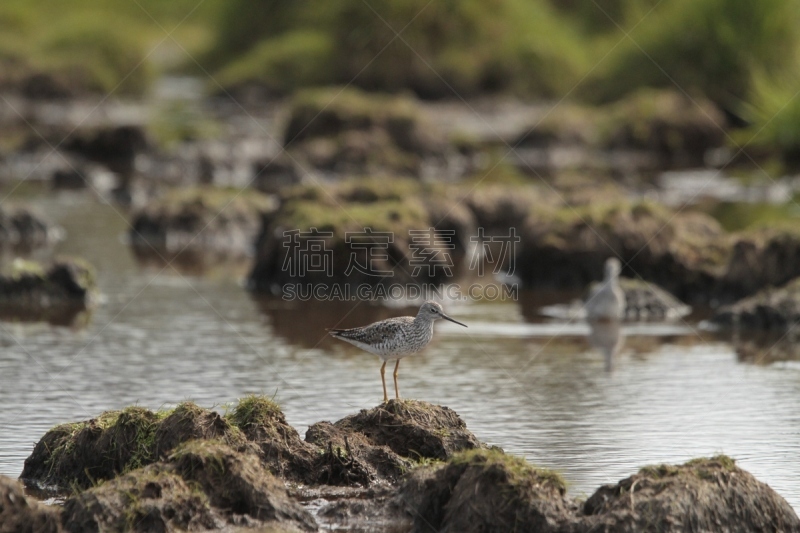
(744, 55)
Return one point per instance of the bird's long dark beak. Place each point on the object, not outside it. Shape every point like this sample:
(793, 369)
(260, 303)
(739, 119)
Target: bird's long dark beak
(453, 320)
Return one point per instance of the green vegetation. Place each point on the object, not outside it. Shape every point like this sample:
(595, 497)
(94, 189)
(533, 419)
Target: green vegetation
(213, 200)
(737, 216)
(714, 47)
(469, 47)
(774, 110)
(518, 468)
(254, 410)
(740, 54)
(134, 427)
(700, 467)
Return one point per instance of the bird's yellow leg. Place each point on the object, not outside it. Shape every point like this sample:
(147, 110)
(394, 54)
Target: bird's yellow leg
(396, 389)
(383, 380)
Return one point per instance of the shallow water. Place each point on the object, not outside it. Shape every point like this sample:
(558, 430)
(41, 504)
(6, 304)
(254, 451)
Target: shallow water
(533, 386)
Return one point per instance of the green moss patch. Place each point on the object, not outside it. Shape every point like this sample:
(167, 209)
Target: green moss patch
(83, 453)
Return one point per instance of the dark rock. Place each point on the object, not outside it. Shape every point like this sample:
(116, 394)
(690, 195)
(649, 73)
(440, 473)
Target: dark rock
(20, 514)
(701, 495)
(776, 309)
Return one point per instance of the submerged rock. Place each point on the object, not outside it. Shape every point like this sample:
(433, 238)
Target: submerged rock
(700, 495)
(204, 219)
(21, 514)
(776, 309)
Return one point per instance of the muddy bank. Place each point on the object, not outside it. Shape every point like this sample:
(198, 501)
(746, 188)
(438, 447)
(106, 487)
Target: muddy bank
(58, 293)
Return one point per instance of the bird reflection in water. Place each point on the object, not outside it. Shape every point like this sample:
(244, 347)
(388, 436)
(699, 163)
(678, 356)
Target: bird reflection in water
(608, 338)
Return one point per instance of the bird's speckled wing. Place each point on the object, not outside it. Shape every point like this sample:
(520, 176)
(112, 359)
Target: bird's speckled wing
(384, 338)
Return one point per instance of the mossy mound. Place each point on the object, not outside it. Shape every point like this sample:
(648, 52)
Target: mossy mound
(776, 309)
(238, 483)
(412, 428)
(686, 253)
(280, 446)
(150, 499)
(349, 458)
(701, 495)
(678, 129)
(564, 125)
(348, 131)
(377, 217)
(514, 495)
(200, 219)
(83, 453)
(32, 292)
(20, 514)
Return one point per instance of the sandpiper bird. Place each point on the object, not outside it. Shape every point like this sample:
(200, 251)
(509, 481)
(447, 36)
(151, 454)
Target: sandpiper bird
(607, 301)
(394, 338)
